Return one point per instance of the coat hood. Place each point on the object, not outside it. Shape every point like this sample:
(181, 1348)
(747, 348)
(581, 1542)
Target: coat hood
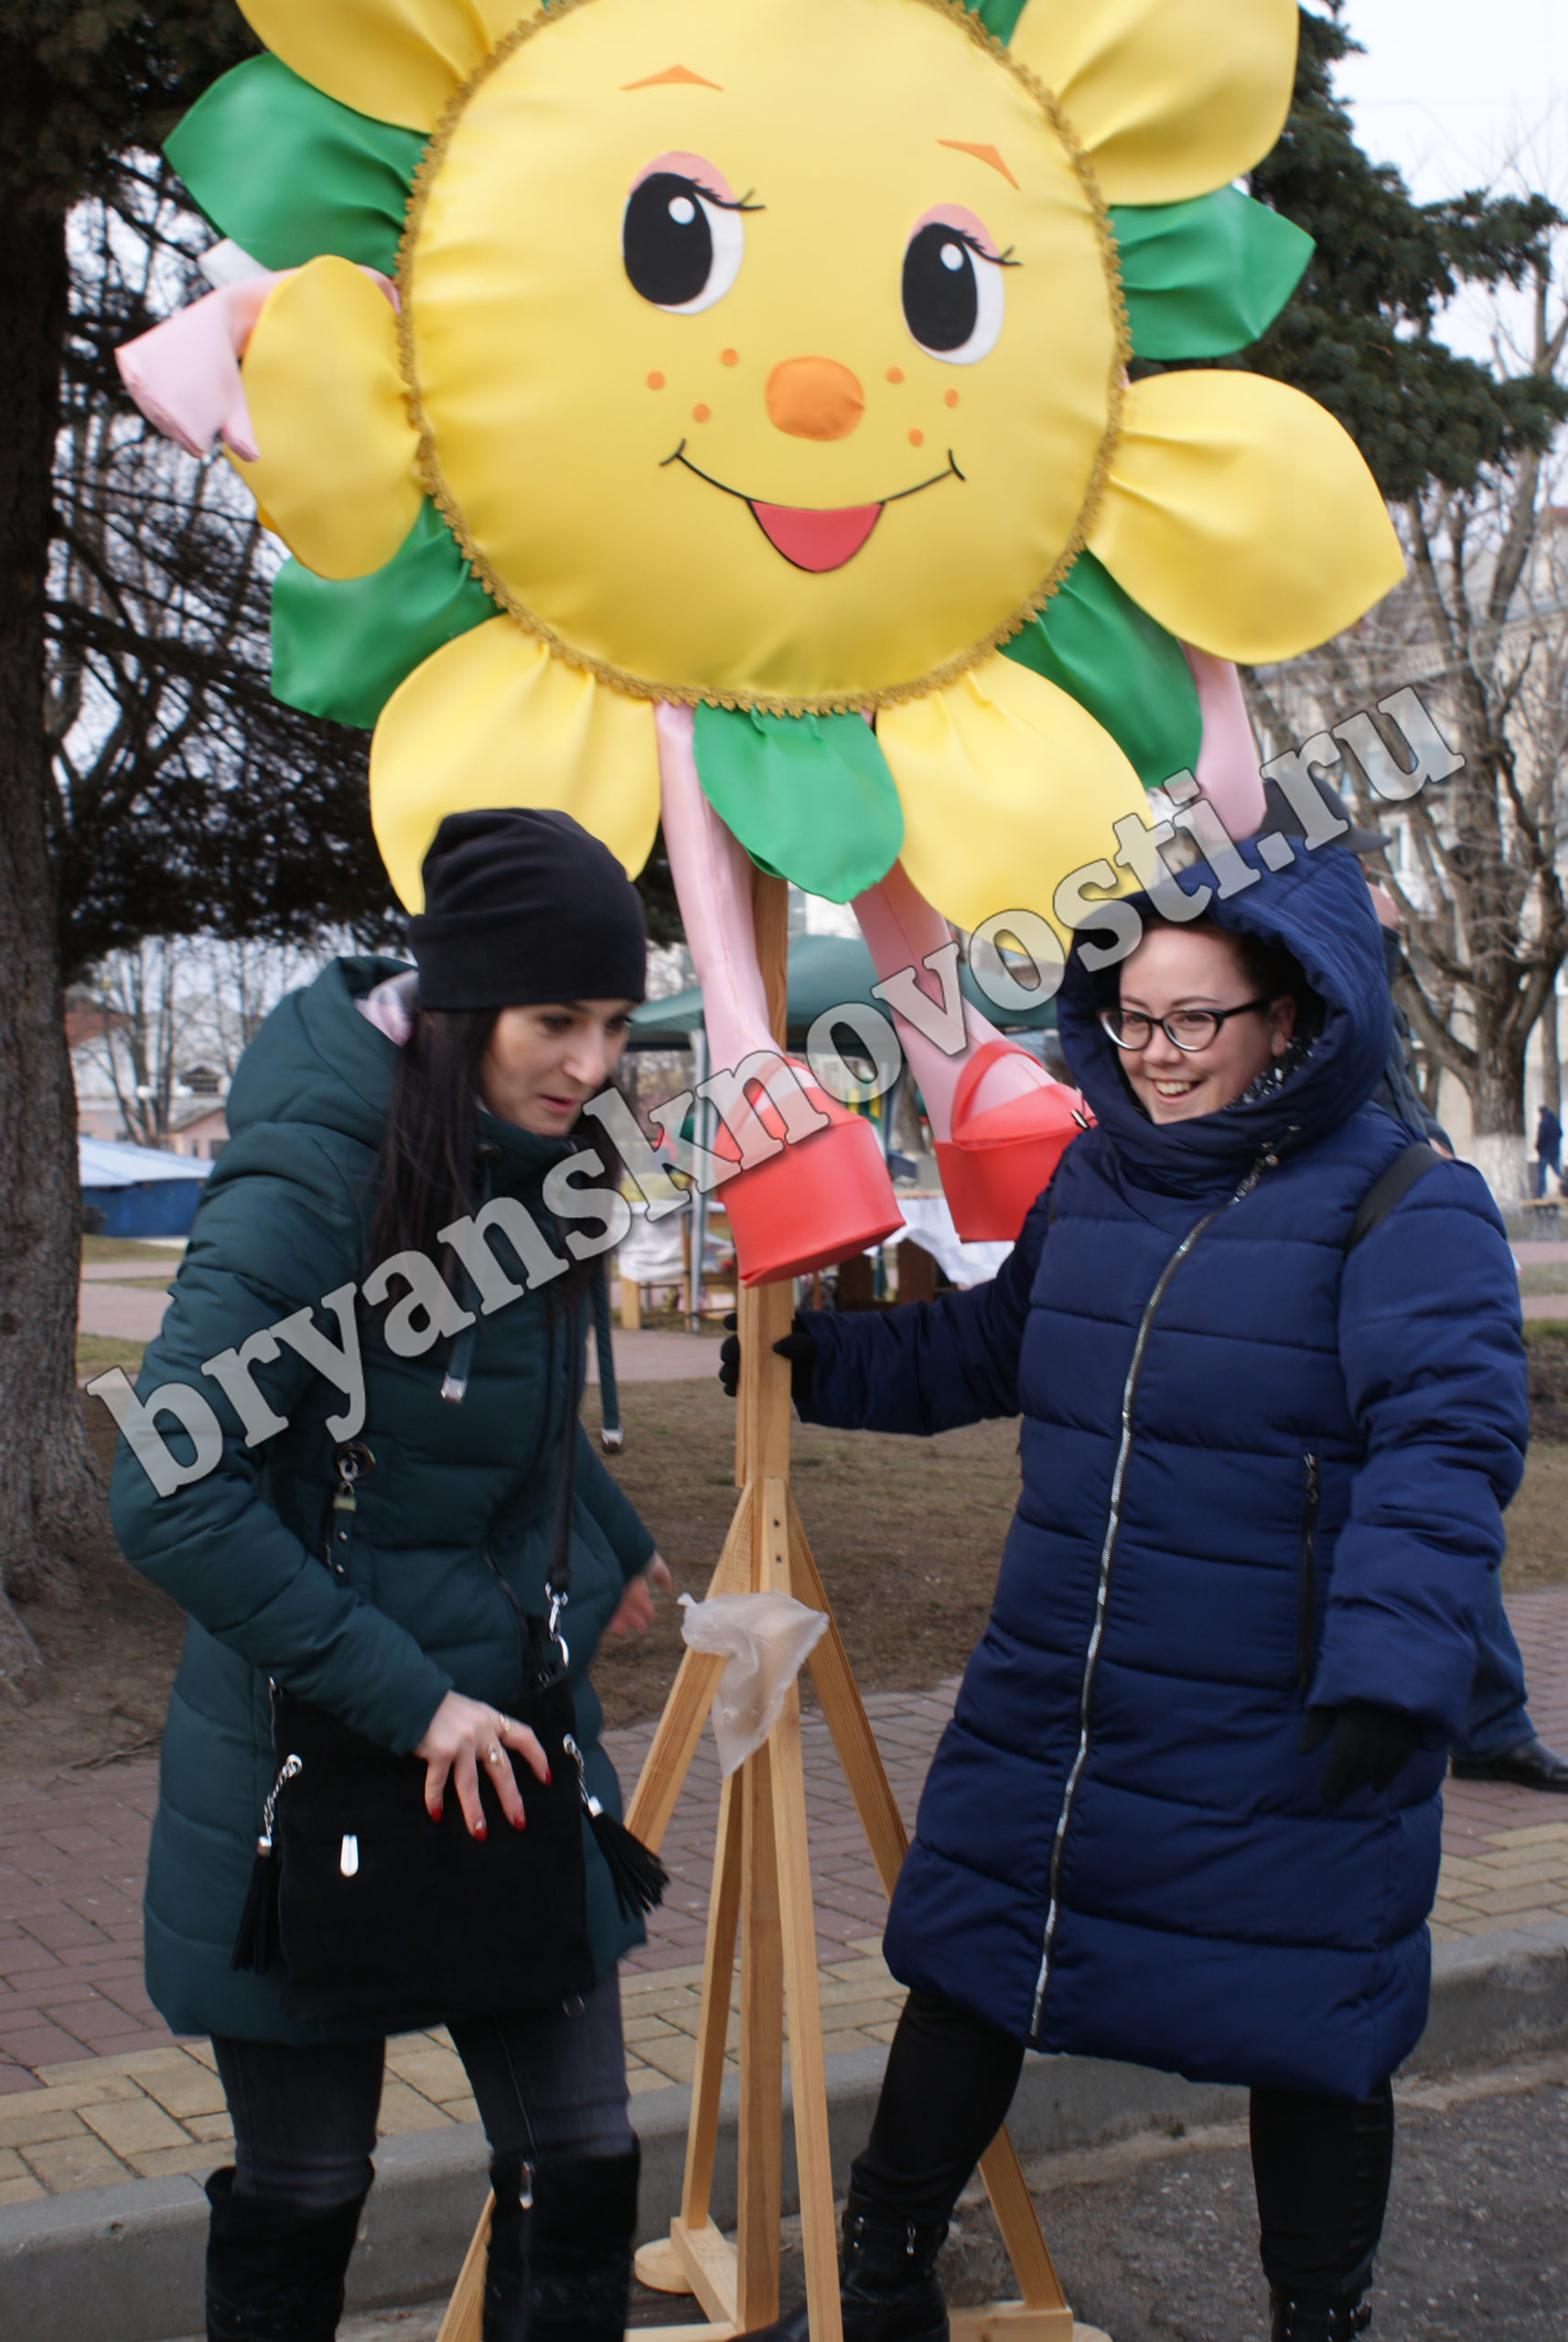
(1318, 909)
(315, 1060)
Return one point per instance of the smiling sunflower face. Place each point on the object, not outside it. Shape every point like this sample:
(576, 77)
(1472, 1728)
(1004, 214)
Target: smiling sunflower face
(736, 384)
(771, 355)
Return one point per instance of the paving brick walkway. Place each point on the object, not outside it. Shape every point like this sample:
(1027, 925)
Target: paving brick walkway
(128, 1301)
(93, 2089)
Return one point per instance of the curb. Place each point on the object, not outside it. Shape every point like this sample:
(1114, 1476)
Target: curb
(123, 2264)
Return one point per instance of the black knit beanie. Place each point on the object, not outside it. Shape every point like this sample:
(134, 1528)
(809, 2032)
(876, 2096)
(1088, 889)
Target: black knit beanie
(523, 905)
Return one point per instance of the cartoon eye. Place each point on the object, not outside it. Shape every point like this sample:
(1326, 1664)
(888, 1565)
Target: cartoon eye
(682, 238)
(952, 288)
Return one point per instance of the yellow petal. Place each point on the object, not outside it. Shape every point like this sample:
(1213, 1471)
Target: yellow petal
(400, 60)
(493, 719)
(1171, 98)
(1008, 787)
(336, 472)
(1240, 515)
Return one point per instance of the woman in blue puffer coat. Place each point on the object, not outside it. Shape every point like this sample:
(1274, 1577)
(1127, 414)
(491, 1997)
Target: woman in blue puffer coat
(1265, 1453)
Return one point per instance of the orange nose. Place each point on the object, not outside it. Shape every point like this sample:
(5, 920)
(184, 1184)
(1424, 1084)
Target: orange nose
(814, 397)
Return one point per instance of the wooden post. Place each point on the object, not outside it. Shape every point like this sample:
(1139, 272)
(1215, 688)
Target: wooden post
(762, 1888)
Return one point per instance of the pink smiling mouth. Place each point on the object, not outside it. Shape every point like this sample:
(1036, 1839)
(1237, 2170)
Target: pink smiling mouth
(815, 537)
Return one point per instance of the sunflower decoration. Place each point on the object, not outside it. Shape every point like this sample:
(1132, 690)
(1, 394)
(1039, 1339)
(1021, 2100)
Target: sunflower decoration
(769, 359)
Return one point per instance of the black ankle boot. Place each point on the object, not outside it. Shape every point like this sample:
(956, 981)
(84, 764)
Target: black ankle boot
(584, 2216)
(275, 2273)
(506, 2313)
(887, 2287)
(1319, 2318)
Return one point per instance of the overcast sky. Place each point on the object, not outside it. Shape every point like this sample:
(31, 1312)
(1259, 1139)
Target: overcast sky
(1453, 90)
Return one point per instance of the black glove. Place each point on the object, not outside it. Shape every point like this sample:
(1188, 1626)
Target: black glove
(799, 1347)
(1370, 1745)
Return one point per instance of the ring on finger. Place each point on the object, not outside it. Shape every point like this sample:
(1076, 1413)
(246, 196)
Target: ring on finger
(493, 1755)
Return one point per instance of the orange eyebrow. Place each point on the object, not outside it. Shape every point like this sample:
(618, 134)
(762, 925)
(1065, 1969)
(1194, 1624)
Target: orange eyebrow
(672, 73)
(982, 154)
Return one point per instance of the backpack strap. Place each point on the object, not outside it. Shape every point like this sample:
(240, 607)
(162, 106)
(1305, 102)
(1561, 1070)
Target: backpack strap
(1391, 1183)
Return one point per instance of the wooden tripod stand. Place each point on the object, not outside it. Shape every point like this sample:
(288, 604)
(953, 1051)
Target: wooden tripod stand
(762, 1891)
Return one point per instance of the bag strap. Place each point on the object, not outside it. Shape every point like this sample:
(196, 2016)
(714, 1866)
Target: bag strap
(1391, 1183)
(612, 1438)
(558, 1582)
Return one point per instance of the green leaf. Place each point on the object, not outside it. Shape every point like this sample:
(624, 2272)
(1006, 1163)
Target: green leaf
(341, 646)
(810, 797)
(1094, 640)
(1206, 277)
(288, 173)
(999, 17)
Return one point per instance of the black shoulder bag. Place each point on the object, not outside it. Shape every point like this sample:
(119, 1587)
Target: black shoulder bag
(380, 1915)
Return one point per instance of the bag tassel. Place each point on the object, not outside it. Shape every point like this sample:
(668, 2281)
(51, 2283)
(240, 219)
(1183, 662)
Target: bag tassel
(638, 1876)
(256, 1945)
(259, 1942)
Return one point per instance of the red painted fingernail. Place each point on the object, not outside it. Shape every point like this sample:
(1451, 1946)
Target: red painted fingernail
(481, 1832)
(436, 1811)
(549, 1777)
(522, 1822)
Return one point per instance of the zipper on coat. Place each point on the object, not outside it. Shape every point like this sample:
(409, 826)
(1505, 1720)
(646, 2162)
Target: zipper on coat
(1306, 1600)
(351, 1460)
(1102, 1580)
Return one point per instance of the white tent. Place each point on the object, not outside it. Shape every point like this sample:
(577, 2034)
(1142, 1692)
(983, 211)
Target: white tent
(102, 1164)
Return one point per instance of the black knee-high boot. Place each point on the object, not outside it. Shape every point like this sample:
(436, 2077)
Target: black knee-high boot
(888, 2285)
(584, 2216)
(1322, 2168)
(1321, 2320)
(507, 2312)
(275, 2273)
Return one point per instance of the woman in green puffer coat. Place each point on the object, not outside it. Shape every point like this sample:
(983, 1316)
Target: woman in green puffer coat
(372, 1112)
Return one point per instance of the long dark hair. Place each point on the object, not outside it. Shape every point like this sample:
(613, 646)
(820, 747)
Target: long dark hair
(425, 1167)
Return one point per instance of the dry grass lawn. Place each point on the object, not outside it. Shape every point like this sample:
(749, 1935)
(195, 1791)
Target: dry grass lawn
(907, 1532)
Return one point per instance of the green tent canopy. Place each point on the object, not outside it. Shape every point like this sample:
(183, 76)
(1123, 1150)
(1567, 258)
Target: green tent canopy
(823, 969)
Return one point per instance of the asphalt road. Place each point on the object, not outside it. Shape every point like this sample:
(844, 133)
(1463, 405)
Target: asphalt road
(1159, 2238)
(1156, 2238)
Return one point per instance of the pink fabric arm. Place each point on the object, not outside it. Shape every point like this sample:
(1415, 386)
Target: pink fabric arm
(185, 374)
(713, 884)
(1228, 761)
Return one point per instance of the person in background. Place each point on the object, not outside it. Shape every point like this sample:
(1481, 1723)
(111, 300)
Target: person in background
(1548, 1149)
(1497, 1742)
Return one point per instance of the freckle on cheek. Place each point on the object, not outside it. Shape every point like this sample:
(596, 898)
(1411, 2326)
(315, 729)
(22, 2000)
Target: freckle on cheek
(656, 381)
(700, 413)
(917, 438)
(895, 373)
(949, 398)
(729, 356)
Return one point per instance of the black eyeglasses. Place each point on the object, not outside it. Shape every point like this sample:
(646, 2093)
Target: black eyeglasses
(1185, 1029)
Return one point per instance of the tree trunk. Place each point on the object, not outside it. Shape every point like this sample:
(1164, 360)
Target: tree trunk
(1550, 1064)
(52, 1512)
(1498, 1141)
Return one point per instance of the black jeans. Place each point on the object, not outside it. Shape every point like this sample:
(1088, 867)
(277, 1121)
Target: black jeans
(1321, 2165)
(548, 2082)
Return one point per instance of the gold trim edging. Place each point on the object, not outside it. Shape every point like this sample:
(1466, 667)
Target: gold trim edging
(769, 703)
